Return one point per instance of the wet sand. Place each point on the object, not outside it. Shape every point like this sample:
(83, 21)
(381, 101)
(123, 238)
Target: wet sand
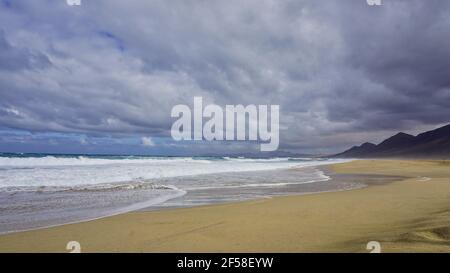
(411, 214)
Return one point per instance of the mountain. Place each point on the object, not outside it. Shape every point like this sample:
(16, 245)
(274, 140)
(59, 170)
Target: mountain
(431, 144)
(358, 151)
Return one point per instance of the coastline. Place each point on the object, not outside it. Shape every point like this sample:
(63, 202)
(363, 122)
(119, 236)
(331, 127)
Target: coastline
(35, 195)
(343, 181)
(407, 215)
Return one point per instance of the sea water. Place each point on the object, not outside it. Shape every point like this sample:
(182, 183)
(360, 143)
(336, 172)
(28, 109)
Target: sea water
(46, 190)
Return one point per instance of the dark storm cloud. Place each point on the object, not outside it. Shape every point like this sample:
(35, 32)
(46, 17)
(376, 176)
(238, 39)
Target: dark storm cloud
(403, 56)
(14, 58)
(343, 72)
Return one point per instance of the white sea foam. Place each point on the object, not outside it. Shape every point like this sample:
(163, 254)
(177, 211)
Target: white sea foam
(53, 171)
(87, 161)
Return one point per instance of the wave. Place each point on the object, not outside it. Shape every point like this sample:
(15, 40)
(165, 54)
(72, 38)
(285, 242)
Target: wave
(92, 188)
(52, 171)
(84, 161)
(8, 160)
(314, 177)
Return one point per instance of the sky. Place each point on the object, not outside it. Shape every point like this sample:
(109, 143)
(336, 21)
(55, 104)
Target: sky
(103, 77)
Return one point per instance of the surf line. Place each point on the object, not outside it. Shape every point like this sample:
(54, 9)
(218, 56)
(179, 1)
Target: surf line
(234, 117)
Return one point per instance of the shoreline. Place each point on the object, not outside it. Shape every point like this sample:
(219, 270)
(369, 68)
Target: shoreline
(321, 222)
(362, 181)
(50, 206)
(322, 168)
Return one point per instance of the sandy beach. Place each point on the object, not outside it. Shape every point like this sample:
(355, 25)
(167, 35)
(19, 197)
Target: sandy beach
(411, 214)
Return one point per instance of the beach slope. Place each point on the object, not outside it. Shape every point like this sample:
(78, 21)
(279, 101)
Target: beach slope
(409, 215)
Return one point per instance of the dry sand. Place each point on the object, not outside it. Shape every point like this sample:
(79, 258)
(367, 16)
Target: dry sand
(411, 215)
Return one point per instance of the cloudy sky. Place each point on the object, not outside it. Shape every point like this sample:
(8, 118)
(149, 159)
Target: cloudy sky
(103, 77)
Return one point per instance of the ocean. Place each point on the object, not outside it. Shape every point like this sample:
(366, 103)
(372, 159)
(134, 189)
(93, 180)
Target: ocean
(42, 190)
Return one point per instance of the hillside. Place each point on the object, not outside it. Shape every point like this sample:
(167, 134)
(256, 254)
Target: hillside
(431, 144)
